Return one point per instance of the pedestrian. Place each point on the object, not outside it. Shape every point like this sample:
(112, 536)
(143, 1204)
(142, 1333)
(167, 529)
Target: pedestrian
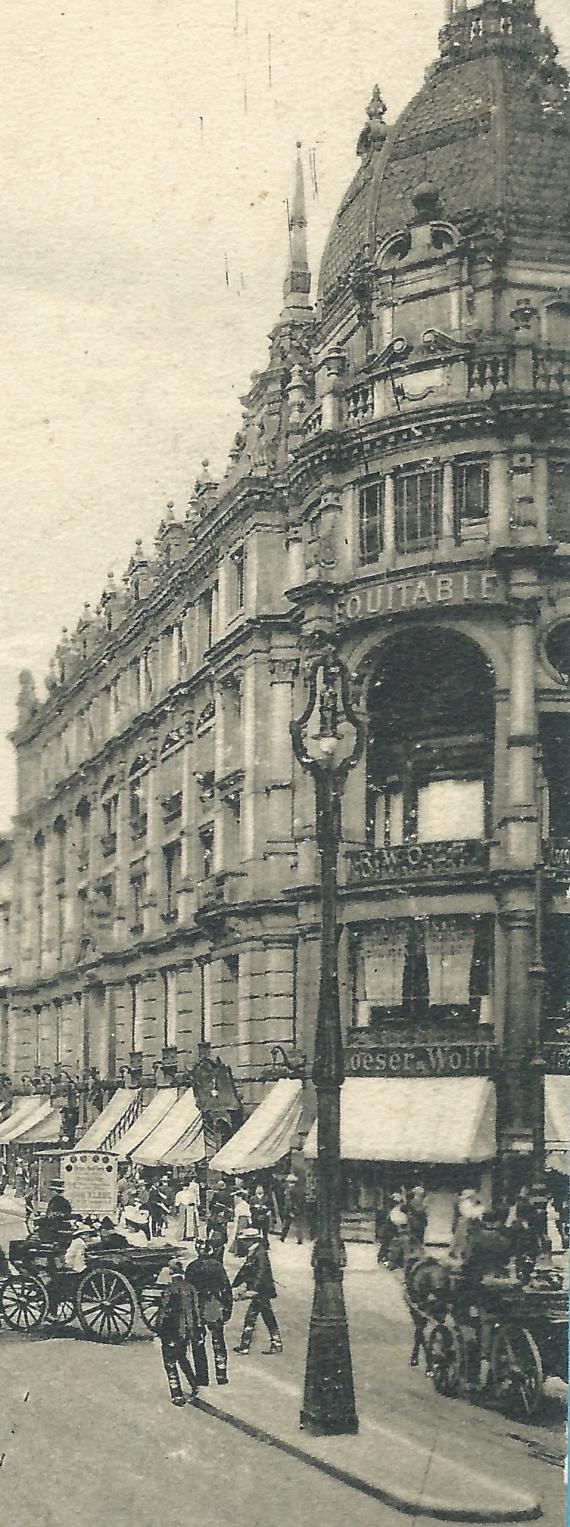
(417, 1220)
(261, 1213)
(394, 1224)
(157, 1209)
(178, 1324)
(187, 1203)
(257, 1276)
(293, 1208)
(241, 1222)
(215, 1302)
(469, 1209)
(217, 1232)
(20, 1177)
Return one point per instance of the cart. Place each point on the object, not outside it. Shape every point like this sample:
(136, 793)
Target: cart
(503, 1346)
(105, 1298)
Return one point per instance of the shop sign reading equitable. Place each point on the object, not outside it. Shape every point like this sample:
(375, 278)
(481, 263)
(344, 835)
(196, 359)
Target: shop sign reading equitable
(422, 1060)
(432, 590)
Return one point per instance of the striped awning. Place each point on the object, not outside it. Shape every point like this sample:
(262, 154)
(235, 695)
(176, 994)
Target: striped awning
(159, 1106)
(114, 1121)
(45, 1130)
(268, 1134)
(428, 1119)
(178, 1140)
(26, 1111)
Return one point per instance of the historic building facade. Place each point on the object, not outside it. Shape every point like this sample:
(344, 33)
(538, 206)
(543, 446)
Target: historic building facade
(400, 486)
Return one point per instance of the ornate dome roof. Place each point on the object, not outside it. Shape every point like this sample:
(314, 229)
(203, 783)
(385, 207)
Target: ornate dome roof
(490, 130)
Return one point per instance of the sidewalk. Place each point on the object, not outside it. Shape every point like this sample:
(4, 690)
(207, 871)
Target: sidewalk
(392, 1467)
(411, 1459)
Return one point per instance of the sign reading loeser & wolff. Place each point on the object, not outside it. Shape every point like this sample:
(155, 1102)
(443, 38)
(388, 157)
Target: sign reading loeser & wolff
(422, 1060)
(431, 590)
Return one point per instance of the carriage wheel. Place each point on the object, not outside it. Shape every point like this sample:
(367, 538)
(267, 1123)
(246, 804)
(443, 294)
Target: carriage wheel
(150, 1300)
(23, 1302)
(106, 1305)
(444, 1357)
(516, 1371)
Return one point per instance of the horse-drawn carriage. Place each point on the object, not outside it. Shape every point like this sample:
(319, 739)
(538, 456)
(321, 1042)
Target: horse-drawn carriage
(501, 1339)
(105, 1298)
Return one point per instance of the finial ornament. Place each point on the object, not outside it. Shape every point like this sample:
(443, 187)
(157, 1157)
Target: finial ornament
(375, 131)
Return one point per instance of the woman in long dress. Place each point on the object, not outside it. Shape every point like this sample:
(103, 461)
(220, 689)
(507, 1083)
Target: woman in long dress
(187, 1202)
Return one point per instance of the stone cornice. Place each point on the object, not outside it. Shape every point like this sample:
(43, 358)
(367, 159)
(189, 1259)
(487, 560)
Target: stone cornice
(201, 558)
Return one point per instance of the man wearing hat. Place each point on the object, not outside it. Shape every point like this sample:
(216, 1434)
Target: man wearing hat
(258, 1278)
(293, 1208)
(178, 1324)
(215, 1301)
(59, 1206)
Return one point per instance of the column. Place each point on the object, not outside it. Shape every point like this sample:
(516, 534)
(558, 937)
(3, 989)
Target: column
(295, 559)
(220, 771)
(223, 594)
(447, 508)
(49, 958)
(70, 920)
(255, 744)
(522, 810)
(389, 526)
(85, 1031)
(24, 949)
(500, 500)
(541, 496)
(152, 903)
(188, 982)
(122, 859)
(188, 826)
(152, 998)
(279, 784)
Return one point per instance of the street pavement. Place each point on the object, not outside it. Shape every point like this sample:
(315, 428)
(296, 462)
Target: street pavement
(87, 1432)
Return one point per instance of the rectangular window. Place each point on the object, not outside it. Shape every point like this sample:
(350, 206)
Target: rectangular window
(137, 1016)
(171, 854)
(206, 836)
(370, 523)
(418, 509)
(170, 1008)
(471, 497)
(559, 500)
(238, 565)
(451, 810)
(205, 1002)
(137, 899)
(209, 617)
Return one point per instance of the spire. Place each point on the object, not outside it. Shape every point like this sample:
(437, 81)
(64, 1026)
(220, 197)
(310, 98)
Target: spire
(297, 284)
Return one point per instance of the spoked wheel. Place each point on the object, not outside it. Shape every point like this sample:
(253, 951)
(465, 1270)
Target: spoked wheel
(150, 1300)
(516, 1371)
(106, 1305)
(23, 1302)
(444, 1357)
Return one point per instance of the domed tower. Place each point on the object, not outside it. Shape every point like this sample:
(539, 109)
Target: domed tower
(431, 489)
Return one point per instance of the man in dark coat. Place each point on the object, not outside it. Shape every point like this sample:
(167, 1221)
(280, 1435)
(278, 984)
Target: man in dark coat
(178, 1324)
(257, 1276)
(157, 1209)
(59, 1206)
(215, 1302)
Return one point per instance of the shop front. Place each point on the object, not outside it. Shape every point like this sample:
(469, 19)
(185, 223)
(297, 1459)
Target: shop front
(414, 1113)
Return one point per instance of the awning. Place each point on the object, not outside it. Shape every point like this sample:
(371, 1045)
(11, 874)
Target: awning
(26, 1111)
(163, 1100)
(45, 1131)
(268, 1133)
(114, 1121)
(427, 1119)
(557, 1122)
(177, 1140)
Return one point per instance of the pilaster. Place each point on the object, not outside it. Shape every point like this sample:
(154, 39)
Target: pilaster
(151, 907)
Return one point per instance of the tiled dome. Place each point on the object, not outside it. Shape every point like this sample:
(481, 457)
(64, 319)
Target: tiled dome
(490, 128)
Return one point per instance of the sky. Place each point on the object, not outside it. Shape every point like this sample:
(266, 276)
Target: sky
(148, 152)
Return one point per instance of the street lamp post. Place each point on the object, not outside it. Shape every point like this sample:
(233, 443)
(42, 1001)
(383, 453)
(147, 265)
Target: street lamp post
(538, 974)
(328, 754)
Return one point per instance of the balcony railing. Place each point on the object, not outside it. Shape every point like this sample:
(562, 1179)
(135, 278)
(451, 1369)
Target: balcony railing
(557, 856)
(487, 374)
(408, 860)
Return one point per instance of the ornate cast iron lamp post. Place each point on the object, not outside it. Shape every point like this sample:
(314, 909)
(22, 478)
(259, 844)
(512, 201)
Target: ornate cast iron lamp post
(328, 740)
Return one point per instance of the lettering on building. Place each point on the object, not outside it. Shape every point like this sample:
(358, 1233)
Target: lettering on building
(432, 590)
(422, 1060)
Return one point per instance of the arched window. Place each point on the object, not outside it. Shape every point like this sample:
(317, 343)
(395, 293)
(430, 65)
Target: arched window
(430, 741)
